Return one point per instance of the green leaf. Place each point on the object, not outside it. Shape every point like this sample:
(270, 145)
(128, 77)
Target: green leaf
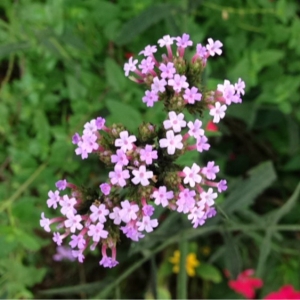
(123, 113)
(115, 76)
(142, 22)
(209, 272)
(248, 189)
(6, 50)
(293, 164)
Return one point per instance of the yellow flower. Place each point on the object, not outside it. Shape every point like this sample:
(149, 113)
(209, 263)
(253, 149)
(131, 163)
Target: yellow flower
(191, 263)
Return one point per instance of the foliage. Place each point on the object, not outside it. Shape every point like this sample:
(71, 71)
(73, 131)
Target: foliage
(61, 65)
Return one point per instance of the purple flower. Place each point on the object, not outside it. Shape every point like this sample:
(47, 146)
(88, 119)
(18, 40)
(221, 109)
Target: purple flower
(76, 138)
(202, 144)
(100, 122)
(201, 51)
(120, 158)
(90, 128)
(148, 210)
(222, 186)
(63, 252)
(105, 188)
(141, 176)
(61, 184)
(67, 205)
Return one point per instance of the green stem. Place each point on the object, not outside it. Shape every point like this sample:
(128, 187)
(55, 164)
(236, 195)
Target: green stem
(182, 278)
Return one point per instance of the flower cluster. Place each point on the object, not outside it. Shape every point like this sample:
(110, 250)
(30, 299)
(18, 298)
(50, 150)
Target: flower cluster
(143, 169)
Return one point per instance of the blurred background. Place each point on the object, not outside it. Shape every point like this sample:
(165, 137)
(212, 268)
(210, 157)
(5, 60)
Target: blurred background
(61, 64)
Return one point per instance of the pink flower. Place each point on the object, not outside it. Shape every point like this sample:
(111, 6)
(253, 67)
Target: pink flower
(67, 205)
(147, 224)
(77, 241)
(245, 284)
(79, 255)
(286, 292)
(240, 86)
(171, 142)
(99, 213)
(147, 65)
(118, 176)
(130, 66)
(97, 232)
(192, 95)
(195, 129)
(214, 47)
(53, 199)
(165, 41)
(175, 122)
(192, 175)
(120, 158)
(73, 222)
(105, 188)
(158, 85)
(45, 223)
(148, 154)
(90, 127)
(57, 238)
(186, 201)
(128, 211)
(150, 98)
(184, 41)
(218, 112)
(115, 215)
(201, 51)
(141, 176)
(149, 50)
(208, 197)
(162, 196)
(222, 186)
(178, 83)
(210, 170)
(125, 141)
(168, 70)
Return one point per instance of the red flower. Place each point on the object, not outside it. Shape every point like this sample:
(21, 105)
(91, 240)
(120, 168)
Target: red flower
(286, 292)
(245, 284)
(211, 126)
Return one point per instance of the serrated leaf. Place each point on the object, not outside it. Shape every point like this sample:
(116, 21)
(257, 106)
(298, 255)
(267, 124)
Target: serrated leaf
(139, 24)
(247, 190)
(209, 272)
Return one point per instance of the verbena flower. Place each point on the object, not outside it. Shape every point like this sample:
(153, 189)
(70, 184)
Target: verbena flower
(142, 168)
